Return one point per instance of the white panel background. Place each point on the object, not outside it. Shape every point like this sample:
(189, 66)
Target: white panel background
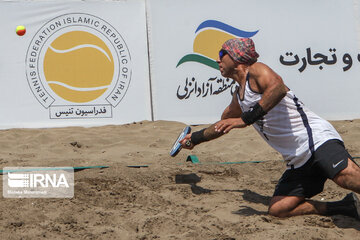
(18, 105)
(284, 25)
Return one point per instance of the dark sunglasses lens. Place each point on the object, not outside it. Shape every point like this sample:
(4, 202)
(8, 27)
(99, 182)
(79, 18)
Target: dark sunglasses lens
(222, 53)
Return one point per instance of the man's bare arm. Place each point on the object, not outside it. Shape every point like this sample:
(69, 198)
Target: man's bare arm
(263, 80)
(233, 110)
(210, 133)
(271, 86)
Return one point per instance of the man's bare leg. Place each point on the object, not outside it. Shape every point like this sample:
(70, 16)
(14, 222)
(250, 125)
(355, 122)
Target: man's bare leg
(287, 206)
(348, 178)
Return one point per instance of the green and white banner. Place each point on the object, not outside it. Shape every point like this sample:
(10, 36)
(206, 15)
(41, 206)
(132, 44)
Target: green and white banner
(313, 45)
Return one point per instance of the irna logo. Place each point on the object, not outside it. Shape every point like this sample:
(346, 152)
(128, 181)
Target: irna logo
(24, 180)
(30, 182)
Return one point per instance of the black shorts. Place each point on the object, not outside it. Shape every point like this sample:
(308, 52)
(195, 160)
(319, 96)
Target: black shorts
(307, 181)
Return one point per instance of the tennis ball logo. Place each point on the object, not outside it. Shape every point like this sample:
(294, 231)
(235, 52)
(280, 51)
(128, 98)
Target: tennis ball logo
(78, 66)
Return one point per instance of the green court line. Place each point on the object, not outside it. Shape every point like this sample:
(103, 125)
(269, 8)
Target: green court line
(234, 162)
(191, 158)
(50, 169)
(138, 166)
(223, 163)
(196, 161)
(227, 163)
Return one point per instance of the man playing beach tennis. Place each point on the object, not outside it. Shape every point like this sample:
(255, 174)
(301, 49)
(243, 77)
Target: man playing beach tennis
(311, 147)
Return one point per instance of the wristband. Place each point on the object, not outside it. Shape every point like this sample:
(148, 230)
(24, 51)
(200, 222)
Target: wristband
(198, 137)
(253, 115)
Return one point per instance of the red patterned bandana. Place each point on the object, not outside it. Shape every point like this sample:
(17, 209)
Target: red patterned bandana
(241, 50)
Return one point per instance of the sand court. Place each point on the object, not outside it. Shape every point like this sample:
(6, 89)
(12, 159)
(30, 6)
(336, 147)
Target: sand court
(166, 197)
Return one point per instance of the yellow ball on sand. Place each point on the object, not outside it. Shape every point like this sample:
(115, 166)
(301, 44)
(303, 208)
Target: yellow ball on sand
(20, 30)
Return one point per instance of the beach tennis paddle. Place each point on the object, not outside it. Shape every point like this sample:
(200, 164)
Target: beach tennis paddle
(177, 146)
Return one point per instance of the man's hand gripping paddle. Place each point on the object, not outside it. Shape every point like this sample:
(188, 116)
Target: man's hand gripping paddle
(177, 146)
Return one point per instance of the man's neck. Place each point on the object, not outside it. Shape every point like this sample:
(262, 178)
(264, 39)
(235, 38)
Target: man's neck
(240, 74)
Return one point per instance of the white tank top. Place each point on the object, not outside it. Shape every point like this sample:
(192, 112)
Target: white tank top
(290, 127)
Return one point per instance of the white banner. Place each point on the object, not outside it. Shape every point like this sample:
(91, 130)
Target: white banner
(313, 45)
(86, 63)
(78, 63)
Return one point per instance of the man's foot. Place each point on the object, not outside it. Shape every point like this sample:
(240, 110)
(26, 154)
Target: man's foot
(351, 198)
(348, 206)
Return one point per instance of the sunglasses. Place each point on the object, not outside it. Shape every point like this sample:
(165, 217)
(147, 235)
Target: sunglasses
(222, 53)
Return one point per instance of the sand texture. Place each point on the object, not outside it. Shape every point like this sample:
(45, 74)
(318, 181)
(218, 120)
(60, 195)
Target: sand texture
(169, 198)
